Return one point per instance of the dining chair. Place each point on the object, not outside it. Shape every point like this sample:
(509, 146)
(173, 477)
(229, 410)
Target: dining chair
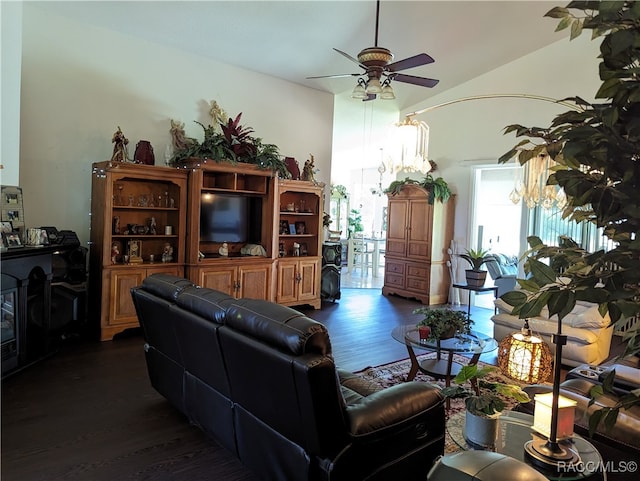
(360, 254)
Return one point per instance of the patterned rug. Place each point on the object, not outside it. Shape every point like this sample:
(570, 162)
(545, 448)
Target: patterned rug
(396, 372)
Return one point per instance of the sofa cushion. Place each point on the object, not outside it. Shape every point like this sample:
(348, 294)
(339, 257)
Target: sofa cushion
(165, 286)
(584, 315)
(208, 303)
(279, 326)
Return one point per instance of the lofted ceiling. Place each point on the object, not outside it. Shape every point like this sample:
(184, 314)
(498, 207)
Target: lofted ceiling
(293, 40)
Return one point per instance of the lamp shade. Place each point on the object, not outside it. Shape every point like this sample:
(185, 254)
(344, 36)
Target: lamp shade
(542, 415)
(359, 91)
(524, 358)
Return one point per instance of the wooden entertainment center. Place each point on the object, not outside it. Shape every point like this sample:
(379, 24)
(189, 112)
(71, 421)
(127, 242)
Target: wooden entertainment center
(273, 237)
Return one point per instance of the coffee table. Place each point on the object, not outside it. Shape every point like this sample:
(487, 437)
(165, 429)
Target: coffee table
(473, 344)
(515, 430)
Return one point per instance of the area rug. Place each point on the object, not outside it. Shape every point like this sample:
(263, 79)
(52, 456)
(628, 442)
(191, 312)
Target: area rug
(396, 372)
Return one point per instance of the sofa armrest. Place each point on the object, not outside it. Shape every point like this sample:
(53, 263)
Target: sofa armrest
(393, 408)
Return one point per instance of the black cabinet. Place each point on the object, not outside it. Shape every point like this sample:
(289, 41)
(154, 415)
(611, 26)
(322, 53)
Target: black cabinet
(33, 309)
(331, 264)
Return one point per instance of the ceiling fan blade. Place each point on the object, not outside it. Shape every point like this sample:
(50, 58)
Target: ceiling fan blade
(337, 76)
(350, 58)
(411, 62)
(411, 79)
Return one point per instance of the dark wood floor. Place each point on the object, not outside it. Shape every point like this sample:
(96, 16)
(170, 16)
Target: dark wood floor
(88, 413)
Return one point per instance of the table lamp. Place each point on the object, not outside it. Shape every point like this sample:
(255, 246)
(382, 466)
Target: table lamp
(550, 453)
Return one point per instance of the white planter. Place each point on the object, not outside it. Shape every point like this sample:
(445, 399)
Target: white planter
(480, 430)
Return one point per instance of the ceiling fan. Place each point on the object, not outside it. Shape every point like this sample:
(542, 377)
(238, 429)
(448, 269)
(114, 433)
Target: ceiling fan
(379, 72)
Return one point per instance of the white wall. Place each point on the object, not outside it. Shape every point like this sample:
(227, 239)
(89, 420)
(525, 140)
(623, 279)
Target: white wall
(79, 83)
(471, 133)
(11, 53)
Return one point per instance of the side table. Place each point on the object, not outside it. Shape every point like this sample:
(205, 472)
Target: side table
(515, 430)
(478, 289)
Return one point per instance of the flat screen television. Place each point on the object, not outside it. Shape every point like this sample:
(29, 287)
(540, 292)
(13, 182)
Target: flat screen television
(230, 218)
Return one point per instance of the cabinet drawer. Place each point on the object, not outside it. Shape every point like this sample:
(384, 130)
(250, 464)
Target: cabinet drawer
(417, 271)
(416, 284)
(394, 267)
(396, 280)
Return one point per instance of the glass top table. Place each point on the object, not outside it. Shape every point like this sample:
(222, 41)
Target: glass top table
(515, 430)
(473, 344)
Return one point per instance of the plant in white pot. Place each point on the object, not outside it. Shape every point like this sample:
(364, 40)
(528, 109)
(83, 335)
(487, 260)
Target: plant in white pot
(483, 402)
(476, 277)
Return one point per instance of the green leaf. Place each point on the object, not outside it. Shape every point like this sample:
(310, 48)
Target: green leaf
(561, 303)
(557, 12)
(514, 298)
(576, 29)
(542, 272)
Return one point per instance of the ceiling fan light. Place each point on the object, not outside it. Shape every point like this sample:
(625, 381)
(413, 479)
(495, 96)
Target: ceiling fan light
(373, 86)
(387, 93)
(359, 91)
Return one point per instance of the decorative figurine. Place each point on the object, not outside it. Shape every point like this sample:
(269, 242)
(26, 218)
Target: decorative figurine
(119, 147)
(115, 252)
(218, 116)
(179, 139)
(167, 253)
(152, 226)
(296, 249)
(224, 250)
(308, 171)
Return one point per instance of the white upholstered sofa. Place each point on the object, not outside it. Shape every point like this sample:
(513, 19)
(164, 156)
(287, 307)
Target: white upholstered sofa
(588, 333)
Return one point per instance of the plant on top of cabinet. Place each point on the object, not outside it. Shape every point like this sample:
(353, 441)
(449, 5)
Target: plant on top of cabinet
(226, 140)
(438, 188)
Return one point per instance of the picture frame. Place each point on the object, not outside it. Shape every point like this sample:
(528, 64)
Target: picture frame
(301, 228)
(11, 239)
(292, 229)
(304, 249)
(284, 227)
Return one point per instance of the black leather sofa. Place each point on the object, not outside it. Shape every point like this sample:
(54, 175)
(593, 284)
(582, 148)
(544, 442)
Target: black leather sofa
(260, 379)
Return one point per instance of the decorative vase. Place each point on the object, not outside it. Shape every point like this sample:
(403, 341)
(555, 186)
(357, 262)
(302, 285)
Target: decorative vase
(480, 430)
(144, 153)
(476, 278)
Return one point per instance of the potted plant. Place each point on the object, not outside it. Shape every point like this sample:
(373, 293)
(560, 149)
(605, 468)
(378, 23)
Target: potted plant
(483, 402)
(355, 222)
(438, 187)
(442, 323)
(476, 277)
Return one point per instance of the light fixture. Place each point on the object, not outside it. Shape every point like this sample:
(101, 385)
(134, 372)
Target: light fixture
(373, 86)
(549, 451)
(410, 149)
(547, 195)
(359, 91)
(534, 191)
(387, 92)
(524, 357)
(542, 415)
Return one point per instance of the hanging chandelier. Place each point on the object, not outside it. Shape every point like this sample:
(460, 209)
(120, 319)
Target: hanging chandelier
(410, 149)
(534, 191)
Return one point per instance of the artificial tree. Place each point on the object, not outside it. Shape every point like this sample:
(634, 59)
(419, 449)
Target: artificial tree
(597, 151)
